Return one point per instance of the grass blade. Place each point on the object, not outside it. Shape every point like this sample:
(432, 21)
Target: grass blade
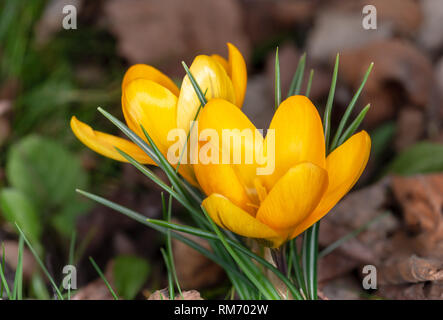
(142, 219)
(297, 80)
(309, 260)
(351, 235)
(17, 292)
(209, 235)
(350, 108)
(194, 83)
(40, 262)
(170, 280)
(277, 81)
(100, 273)
(2, 275)
(268, 292)
(328, 109)
(308, 87)
(354, 125)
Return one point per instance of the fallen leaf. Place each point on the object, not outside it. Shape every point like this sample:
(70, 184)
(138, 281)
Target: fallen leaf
(191, 27)
(186, 295)
(193, 269)
(402, 75)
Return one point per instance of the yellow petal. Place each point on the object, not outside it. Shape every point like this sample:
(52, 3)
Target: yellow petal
(228, 216)
(212, 79)
(232, 125)
(223, 62)
(238, 73)
(298, 137)
(153, 106)
(294, 196)
(221, 179)
(345, 166)
(143, 71)
(105, 144)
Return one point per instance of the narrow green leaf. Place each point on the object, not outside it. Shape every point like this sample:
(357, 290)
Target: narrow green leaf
(140, 218)
(354, 125)
(277, 81)
(18, 281)
(297, 80)
(40, 262)
(170, 280)
(351, 234)
(350, 108)
(269, 294)
(100, 273)
(309, 258)
(308, 88)
(328, 109)
(212, 236)
(2, 275)
(194, 83)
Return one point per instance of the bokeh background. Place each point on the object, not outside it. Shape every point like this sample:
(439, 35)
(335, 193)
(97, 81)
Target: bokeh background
(48, 74)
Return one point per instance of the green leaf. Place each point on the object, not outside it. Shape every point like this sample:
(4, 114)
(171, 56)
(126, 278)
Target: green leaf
(423, 157)
(130, 273)
(328, 109)
(39, 261)
(297, 80)
(349, 109)
(45, 171)
(277, 81)
(17, 207)
(102, 276)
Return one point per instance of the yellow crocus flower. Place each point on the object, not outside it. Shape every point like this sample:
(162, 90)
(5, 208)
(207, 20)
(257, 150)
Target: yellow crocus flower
(153, 100)
(304, 186)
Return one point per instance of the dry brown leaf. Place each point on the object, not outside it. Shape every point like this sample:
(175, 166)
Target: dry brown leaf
(191, 27)
(410, 269)
(97, 289)
(186, 295)
(410, 127)
(193, 269)
(421, 199)
(11, 256)
(402, 75)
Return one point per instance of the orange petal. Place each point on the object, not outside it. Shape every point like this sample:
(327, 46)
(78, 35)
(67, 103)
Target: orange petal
(221, 179)
(143, 71)
(238, 73)
(294, 196)
(105, 144)
(345, 166)
(232, 125)
(223, 62)
(153, 106)
(228, 216)
(212, 79)
(298, 137)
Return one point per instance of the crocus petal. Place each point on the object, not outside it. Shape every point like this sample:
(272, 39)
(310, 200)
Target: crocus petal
(143, 71)
(232, 125)
(223, 62)
(238, 73)
(105, 144)
(294, 196)
(345, 166)
(153, 106)
(221, 179)
(212, 79)
(228, 216)
(298, 137)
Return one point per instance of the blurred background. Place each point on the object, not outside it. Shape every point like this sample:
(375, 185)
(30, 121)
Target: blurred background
(393, 219)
